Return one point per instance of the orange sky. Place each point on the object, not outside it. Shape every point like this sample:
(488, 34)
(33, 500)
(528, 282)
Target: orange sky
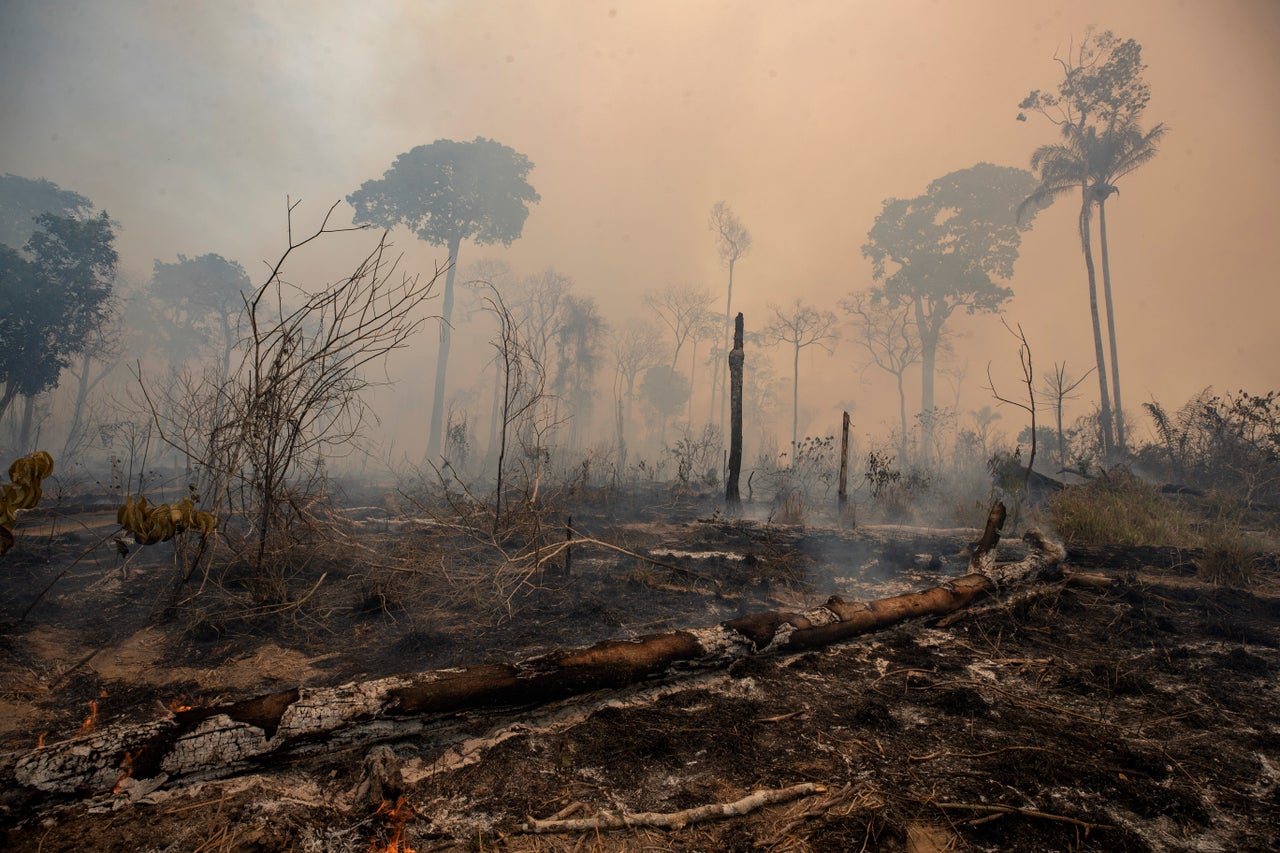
(191, 124)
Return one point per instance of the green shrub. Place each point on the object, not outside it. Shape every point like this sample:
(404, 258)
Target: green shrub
(1119, 509)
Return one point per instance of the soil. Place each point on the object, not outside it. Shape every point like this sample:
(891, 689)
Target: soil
(1140, 717)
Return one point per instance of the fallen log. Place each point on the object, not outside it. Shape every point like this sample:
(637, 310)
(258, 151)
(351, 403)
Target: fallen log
(208, 742)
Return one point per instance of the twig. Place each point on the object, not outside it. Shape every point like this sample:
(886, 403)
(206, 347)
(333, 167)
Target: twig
(983, 808)
(676, 820)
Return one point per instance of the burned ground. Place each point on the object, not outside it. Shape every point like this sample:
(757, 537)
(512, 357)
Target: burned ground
(1138, 717)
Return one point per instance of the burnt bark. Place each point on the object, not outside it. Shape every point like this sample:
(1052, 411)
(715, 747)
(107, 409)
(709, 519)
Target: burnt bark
(732, 500)
(843, 494)
(219, 740)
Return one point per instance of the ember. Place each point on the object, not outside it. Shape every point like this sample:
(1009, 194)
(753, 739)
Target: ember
(90, 722)
(178, 705)
(126, 769)
(40, 740)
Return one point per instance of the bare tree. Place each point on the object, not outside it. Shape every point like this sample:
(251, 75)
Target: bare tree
(681, 309)
(801, 326)
(296, 395)
(733, 241)
(1059, 386)
(636, 347)
(1028, 379)
(885, 329)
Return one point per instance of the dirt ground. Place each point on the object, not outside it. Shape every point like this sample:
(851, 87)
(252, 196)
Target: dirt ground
(1142, 717)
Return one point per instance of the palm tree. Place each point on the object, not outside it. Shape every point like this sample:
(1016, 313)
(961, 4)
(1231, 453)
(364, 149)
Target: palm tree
(1120, 150)
(1094, 159)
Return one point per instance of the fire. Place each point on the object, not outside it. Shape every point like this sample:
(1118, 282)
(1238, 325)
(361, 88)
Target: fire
(126, 769)
(40, 740)
(398, 815)
(178, 705)
(90, 722)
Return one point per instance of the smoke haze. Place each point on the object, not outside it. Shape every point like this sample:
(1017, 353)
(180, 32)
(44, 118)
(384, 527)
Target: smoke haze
(191, 123)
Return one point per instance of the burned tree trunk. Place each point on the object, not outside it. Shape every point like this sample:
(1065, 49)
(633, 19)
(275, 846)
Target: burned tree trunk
(843, 500)
(732, 500)
(214, 741)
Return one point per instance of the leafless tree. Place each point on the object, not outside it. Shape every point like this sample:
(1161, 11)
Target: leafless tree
(733, 241)
(636, 347)
(1059, 386)
(295, 397)
(884, 329)
(1028, 379)
(681, 309)
(801, 326)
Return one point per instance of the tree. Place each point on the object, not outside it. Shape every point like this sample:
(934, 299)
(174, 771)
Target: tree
(733, 241)
(259, 439)
(24, 199)
(683, 310)
(889, 341)
(1097, 109)
(448, 192)
(636, 347)
(665, 392)
(949, 249)
(53, 299)
(801, 326)
(1059, 386)
(200, 299)
(578, 356)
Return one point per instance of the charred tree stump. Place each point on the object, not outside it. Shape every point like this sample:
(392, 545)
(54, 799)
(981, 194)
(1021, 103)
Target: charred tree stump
(208, 742)
(843, 495)
(732, 500)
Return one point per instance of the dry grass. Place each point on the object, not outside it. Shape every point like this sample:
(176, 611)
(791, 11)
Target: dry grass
(1120, 509)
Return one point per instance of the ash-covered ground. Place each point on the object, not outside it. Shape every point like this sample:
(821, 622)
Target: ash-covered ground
(1139, 717)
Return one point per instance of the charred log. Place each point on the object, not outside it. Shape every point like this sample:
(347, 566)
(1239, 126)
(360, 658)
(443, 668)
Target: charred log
(222, 739)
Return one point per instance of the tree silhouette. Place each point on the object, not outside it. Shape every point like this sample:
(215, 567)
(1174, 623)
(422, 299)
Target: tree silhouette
(636, 347)
(801, 326)
(1097, 109)
(55, 295)
(885, 331)
(199, 300)
(946, 250)
(733, 241)
(448, 192)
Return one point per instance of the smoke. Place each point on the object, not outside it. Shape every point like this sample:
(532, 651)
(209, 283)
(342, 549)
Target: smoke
(192, 123)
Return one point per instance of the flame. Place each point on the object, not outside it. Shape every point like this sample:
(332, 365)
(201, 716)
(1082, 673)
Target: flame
(103, 694)
(126, 769)
(90, 722)
(178, 705)
(40, 740)
(398, 815)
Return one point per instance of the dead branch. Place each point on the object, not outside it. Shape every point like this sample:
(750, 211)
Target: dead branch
(676, 820)
(984, 808)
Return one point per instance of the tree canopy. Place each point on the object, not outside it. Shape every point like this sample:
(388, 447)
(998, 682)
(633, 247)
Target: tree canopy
(448, 192)
(24, 199)
(54, 295)
(948, 249)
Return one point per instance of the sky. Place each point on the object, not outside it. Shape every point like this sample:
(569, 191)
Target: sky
(192, 123)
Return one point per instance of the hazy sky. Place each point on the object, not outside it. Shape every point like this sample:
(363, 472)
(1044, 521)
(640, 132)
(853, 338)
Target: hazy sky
(191, 122)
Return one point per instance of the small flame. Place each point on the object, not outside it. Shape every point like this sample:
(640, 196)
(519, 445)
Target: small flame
(398, 815)
(90, 722)
(103, 694)
(178, 705)
(40, 740)
(126, 769)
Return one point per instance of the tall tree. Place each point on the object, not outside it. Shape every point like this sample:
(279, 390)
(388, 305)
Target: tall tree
(53, 299)
(733, 241)
(950, 249)
(1097, 108)
(448, 192)
(801, 326)
(199, 300)
(636, 347)
(885, 331)
(579, 340)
